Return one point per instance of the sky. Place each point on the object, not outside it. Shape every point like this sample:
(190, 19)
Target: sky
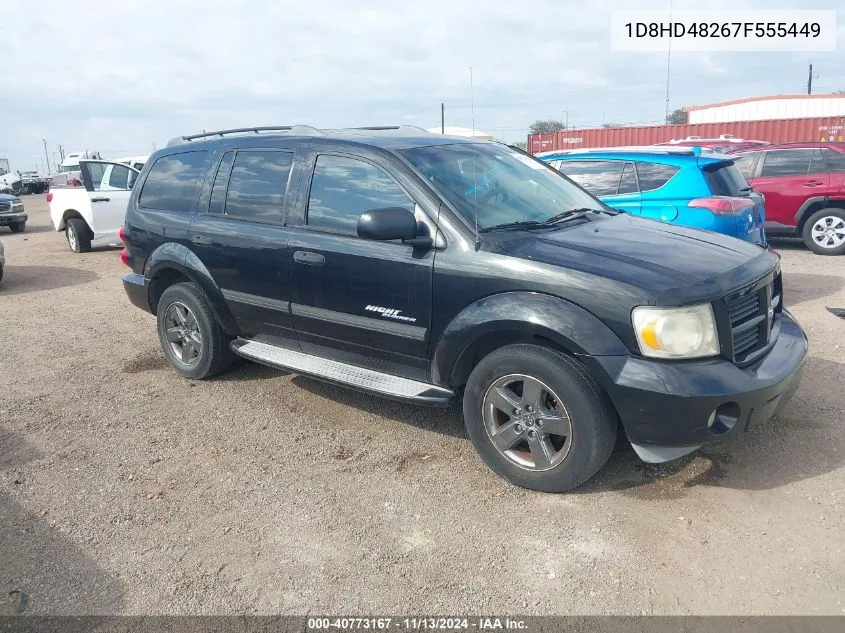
(124, 77)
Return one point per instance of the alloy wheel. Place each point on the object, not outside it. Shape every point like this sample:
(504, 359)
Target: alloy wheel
(183, 334)
(527, 422)
(829, 232)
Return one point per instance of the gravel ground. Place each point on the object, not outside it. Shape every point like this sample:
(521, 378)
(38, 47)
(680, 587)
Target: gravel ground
(127, 489)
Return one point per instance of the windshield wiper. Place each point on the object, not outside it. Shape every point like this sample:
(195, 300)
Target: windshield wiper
(521, 224)
(572, 214)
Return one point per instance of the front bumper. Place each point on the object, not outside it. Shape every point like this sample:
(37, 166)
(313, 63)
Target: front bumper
(666, 406)
(12, 218)
(136, 287)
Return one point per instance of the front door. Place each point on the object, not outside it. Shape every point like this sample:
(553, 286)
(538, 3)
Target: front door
(109, 187)
(359, 301)
(239, 235)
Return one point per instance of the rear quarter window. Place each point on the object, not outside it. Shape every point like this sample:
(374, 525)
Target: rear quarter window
(171, 182)
(725, 179)
(654, 175)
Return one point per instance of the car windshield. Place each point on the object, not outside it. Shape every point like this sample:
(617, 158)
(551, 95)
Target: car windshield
(497, 183)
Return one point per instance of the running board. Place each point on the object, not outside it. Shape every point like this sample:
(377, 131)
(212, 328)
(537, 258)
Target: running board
(343, 374)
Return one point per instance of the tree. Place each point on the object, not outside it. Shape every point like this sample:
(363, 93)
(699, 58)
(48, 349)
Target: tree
(546, 127)
(677, 117)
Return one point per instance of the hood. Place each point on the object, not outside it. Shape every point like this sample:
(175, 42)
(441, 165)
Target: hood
(687, 264)
(5, 197)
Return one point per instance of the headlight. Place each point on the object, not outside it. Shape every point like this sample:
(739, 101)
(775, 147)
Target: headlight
(688, 332)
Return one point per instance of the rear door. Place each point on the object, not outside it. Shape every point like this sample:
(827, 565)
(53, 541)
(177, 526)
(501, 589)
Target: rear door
(109, 187)
(787, 177)
(239, 235)
(613, 181)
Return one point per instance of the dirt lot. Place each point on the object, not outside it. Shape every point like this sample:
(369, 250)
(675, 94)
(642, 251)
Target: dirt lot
(127, 489)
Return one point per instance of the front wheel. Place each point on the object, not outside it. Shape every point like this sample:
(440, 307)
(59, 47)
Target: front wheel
(190, 335)
(824, 232)
(18, 227)
(538, 418)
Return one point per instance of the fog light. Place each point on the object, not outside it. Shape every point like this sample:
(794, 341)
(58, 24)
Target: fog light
(711, 419)
(724, 418)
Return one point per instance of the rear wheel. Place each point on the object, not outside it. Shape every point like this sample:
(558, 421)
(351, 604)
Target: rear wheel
(538, 418)
(824, 232)
(190, 335)
(18, 227)
(78, 235)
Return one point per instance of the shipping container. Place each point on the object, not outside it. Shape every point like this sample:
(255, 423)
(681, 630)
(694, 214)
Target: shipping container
(773, 131)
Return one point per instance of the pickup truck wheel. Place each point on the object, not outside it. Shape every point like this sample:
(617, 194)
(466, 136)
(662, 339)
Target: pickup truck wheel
(538, 418)
(824, 232)
(190, 335)
(78, 236)
(17, 227)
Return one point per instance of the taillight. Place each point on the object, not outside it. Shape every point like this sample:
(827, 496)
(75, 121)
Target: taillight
(722, 205)
(124, 256)
(49, 197)
(122, 234)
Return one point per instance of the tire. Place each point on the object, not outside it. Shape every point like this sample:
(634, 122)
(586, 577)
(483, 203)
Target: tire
(824, 231)
(18, 227)
(78, 235)
(202, 350)
(1, 272)
(572, 403)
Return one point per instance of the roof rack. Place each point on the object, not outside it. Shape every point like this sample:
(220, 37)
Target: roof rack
(387, 128)
(633, 149)
(302, 130)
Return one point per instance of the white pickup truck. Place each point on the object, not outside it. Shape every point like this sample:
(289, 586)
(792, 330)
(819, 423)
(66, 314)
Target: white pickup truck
(91, 215)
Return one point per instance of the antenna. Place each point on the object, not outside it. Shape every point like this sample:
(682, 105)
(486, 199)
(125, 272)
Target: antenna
(474, 169)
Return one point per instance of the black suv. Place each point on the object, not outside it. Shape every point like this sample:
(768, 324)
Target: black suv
(429, 268)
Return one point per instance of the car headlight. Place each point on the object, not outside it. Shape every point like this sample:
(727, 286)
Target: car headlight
(688, 332)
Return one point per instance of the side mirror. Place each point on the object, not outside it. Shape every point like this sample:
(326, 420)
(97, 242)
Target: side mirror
(392, 223)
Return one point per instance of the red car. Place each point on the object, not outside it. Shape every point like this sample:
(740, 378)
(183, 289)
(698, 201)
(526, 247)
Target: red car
(804, 187)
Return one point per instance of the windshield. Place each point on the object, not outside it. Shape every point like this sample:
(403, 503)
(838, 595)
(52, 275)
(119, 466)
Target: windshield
(498, 183)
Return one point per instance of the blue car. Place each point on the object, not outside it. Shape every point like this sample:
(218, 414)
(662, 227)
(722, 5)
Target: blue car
(681, 185)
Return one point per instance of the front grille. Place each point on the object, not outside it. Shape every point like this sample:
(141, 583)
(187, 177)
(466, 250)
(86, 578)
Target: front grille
(750, 319)
(5, 206)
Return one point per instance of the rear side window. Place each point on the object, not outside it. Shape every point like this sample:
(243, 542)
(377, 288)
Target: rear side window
(628, 184)
(725, 179)
(257, 185)
(599, 177)
(654, 175)
(218, 189)
(745, 163)
(343, 188)
(835, 160)
(787, 162)
(171, 181)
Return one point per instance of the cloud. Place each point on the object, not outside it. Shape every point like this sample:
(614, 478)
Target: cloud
(119, 77)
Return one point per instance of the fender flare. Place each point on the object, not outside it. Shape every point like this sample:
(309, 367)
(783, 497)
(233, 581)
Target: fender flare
(804, 211)
(175, 256)
(531, 314)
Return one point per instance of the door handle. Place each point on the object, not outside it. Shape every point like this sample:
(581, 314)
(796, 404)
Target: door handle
(200, 239)
(100, 199)
(309, 258)
(813, 183)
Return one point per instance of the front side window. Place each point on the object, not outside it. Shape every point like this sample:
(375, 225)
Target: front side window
(343, 188)
(257, 185)
(119, 177)
(496, 184)
(654, 175)
(171, 181)
(787, 162)
(835, 160)
(599, 177)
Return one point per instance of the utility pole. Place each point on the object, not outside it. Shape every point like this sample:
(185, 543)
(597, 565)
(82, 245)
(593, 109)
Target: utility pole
(61, 153)
(810, 80)
(46, 158)
(442, 118)
(668, 67)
